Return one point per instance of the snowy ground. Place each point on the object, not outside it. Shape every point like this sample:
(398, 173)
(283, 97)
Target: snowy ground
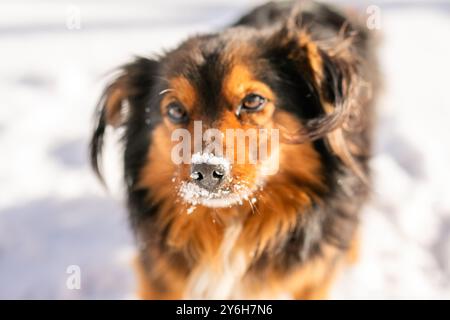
(54, 214)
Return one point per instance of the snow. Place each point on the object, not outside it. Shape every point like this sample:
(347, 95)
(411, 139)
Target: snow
(54, 213)
(193, 194)
(209, 158)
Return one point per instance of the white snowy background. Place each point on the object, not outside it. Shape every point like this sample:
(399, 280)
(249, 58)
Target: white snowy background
(54, 213)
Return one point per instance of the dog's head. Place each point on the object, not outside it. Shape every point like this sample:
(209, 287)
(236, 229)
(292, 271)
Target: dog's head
(225, 116)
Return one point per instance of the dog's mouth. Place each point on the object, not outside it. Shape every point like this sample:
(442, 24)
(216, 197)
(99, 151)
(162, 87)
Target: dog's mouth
(215, 182)
(234, 194)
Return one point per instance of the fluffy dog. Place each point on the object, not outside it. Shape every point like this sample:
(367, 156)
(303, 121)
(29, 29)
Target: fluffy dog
(214, 227)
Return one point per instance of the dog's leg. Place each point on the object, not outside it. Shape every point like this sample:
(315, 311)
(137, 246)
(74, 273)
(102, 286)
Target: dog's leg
(353, 252)
(314, 279)
(317, 289)
(147, 290)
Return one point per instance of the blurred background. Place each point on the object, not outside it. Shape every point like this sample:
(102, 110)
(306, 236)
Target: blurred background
(55, 56)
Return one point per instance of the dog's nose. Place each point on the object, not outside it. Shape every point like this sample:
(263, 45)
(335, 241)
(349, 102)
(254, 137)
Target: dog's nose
(208, 176)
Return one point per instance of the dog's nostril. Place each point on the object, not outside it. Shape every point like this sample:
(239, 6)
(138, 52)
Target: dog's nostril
(208, 176)
(197, 175)
(218, 174)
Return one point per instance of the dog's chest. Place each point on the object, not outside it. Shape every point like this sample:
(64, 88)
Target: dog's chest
(221, 278)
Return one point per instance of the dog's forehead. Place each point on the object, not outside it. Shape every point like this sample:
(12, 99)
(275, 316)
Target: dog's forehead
(213, 55)
(208, 67)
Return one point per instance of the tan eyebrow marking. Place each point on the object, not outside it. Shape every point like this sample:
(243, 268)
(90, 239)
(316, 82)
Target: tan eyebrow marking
(240, 82)
(182, 90)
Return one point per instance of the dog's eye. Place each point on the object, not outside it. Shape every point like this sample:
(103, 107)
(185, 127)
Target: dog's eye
(253, 102)
(176, 112)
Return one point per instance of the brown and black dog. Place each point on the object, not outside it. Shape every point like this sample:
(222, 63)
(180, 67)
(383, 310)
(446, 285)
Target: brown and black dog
(213, 228)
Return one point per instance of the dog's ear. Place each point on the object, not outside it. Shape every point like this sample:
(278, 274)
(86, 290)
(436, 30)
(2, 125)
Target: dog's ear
(124, 94)
(333, 71)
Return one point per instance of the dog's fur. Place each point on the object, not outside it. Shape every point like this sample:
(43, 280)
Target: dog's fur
(316, 65)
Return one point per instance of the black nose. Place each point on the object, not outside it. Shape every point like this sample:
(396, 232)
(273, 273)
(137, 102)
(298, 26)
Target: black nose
(208, 176)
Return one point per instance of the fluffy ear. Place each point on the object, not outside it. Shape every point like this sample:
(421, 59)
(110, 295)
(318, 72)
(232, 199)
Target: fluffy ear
(338, 79)
(122, 96)
(336, 67)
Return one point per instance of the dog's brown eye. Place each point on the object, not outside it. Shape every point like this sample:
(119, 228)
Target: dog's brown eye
(176, 112)
(253, 102)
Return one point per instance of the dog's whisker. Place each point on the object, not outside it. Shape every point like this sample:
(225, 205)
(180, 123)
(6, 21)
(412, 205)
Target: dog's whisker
(254, 209)
(165, 91)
